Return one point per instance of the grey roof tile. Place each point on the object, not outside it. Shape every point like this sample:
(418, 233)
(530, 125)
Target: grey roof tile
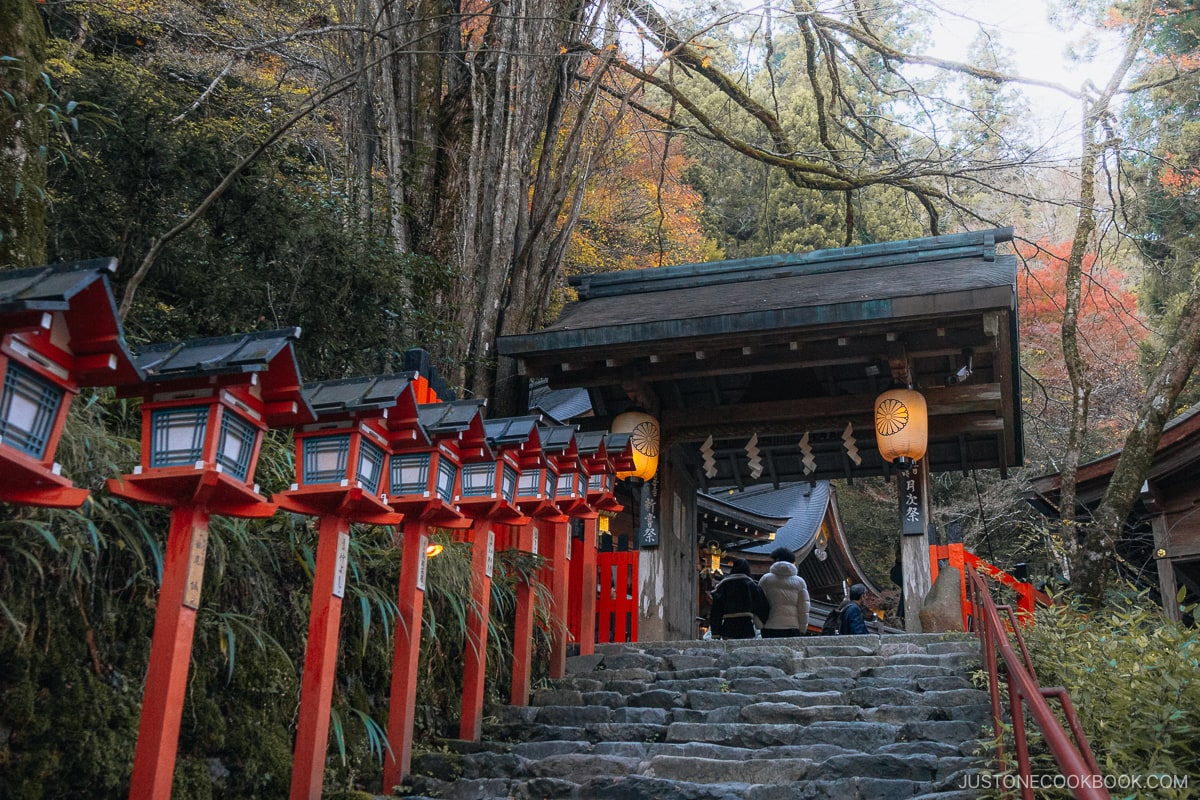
(245, 352)
(802, 504)
(356, 394)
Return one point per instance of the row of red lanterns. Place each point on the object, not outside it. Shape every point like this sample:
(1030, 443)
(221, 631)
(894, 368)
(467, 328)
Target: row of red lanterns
(377, 450)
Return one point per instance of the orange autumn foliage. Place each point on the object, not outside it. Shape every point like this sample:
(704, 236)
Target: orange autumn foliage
(637, 212)
(1110, 331)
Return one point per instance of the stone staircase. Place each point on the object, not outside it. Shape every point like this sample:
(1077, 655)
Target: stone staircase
(797, 719)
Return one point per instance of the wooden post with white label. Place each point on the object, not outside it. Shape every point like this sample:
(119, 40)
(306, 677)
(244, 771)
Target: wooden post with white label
(320, 657)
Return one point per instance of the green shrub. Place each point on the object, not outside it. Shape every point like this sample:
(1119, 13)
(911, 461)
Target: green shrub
(1130, 674)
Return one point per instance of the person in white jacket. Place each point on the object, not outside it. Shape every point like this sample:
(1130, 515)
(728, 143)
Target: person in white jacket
(788, 594)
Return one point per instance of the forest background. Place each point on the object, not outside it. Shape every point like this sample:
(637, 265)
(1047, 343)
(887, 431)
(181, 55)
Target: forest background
(388, 175)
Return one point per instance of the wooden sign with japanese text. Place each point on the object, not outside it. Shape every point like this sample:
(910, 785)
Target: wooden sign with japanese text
(423, 563)
(343, 562)
(647, 530)
(195, 571)
(914, 502)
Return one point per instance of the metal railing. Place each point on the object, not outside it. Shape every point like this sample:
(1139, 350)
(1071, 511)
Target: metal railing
(1071, 751)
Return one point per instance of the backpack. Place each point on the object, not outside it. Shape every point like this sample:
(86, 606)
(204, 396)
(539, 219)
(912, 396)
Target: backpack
(833, 620)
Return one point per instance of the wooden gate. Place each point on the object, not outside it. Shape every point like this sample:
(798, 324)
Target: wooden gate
(617, 602)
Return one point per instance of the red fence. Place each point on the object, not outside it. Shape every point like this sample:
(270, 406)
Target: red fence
(960, 558)
(617, 603)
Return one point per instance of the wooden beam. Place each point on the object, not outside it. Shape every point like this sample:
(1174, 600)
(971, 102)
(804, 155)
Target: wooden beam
(820, 413)
(772, 351)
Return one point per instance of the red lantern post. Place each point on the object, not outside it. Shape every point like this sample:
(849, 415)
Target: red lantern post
(341, 478)
(571, 500)
(424, 478)
(542, 458)
(59, 331)
(489, 486)
(603, 455)
(207, 403)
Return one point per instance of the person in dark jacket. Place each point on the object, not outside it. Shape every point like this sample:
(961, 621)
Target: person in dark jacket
(852, 616)
(734, 603)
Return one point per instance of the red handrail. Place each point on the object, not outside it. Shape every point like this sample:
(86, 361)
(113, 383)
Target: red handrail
(1071, 751)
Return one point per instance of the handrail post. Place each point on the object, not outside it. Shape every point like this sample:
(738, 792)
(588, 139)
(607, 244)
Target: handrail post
(1020, 740)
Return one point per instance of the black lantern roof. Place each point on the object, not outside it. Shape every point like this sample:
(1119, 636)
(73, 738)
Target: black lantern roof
(510, 431)
(445, 419)
(267, 354)
(354, 395)
(590, 442)
(52, 287)
(80, 291)
(514, 433)
(559, 439)
(243, 352)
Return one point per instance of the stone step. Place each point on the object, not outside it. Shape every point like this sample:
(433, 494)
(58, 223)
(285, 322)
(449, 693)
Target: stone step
(653, 787)
(624, 723)
(850, 734)
(811, 717)
(917, 768)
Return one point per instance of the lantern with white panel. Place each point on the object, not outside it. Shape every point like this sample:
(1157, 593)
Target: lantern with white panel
(341, 478)
(537, 487)
(206, 404)
(488, 496)
(59, 332)
(424, 465)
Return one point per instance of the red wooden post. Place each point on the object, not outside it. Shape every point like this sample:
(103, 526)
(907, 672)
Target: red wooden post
(954, 552)
(586, 591)
(320, 659)
(475, 650)
(556, 551)
(574, 596)
(402, 705)
(170, 654)
(522, 664)
(581, 590)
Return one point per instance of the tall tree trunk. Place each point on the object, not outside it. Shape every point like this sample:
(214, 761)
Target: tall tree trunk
(1090, 546)
(1092, 564)
(24, 135)
(480, 182)
(362, 135)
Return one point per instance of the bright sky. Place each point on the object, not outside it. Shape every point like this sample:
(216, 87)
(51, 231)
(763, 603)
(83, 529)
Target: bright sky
(1039, 50)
